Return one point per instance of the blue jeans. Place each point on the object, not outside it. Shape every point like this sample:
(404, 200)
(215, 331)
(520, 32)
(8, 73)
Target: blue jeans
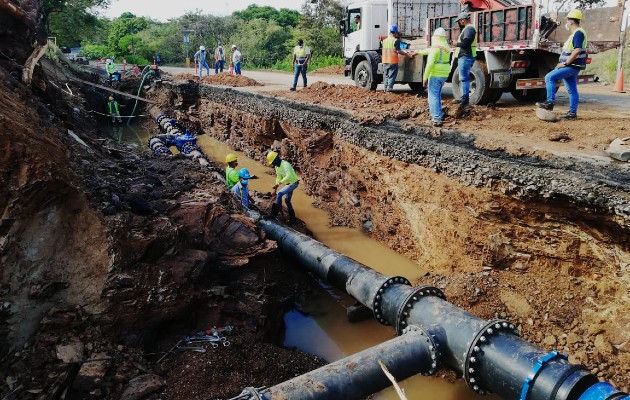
(219, 66)
(203, 64)
(464, 64)
(237, 68)
(300, 69)
(288, 192)
(390, 71)
(569, 76)
(435, 97)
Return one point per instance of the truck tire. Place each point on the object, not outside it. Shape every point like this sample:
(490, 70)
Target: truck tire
(416, 86)
(529, 95)
(480, 92)
(364, 76)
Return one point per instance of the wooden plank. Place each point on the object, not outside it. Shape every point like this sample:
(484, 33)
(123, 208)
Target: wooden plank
(131, 96)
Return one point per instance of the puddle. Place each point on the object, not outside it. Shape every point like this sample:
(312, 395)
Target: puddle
(122, 133)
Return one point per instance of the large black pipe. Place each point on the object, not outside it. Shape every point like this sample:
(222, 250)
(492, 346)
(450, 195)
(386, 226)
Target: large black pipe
(489, 354)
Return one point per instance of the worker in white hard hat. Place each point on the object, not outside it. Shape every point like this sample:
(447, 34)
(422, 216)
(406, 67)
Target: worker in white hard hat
(572, 61)
(436, 72)
(236, 60)
(200, 59)
(285, 175)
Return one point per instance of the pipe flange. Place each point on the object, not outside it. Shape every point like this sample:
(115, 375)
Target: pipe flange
(377, 303)
(432, 345)
(483, 337)
(407, 305)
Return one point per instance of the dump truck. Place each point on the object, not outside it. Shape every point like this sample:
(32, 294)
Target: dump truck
(517, 44)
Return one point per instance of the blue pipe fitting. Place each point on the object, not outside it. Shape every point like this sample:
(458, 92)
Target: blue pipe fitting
(536, 370)
(603, 391)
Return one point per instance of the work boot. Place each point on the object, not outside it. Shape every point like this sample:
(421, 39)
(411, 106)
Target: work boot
(275, 209)
(291, 215)
(292, 89)
(545, 105)
(569, 116)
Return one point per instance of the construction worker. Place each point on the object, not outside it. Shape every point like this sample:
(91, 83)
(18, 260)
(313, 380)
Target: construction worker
(219, 58)
(391, 50)
(200, 59)
(572, 61)
(231, 176)
(357, 22)
(301, 56)
(241, 188)
(285, 175)
(436, 73)
(112, 107)
(466, 54)
(236, 60)
(111, 70)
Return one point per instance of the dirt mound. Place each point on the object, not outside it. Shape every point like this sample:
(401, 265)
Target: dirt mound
(226, 79)
(185, 77)
(331, 69)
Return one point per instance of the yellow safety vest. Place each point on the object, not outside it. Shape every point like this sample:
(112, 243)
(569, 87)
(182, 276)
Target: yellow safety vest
(285, 173)
(231, 176)
(390, 56)
(473, 45)
(567, 50)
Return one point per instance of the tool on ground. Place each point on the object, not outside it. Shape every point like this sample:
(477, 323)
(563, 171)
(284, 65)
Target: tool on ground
(251, 393)
(197, 349)
(170, 351)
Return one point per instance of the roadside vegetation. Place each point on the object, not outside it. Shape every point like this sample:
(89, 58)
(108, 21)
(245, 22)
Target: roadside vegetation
(604, 64)
(265, 35)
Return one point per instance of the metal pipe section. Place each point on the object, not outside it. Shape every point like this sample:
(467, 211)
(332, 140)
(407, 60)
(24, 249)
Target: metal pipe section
(489, 354)
(359, 375)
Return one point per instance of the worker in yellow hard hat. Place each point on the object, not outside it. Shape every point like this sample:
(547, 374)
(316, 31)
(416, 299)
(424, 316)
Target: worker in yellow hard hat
(231, 175)
(112, 107)
(572, 61)
(285, 175)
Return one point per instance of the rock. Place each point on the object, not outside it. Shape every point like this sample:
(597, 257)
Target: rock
(91, 374)
(619, 149)
(368, 226)
(624, 347)
(573, 338)
(559, 137)
(72, 352)
(550, 340)
(602, 345)
(546, 115)
(142, 386)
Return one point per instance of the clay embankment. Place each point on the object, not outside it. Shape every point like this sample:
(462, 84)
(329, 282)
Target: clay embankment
(542, 242)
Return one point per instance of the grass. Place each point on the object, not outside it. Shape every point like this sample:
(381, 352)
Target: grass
(315, 63)
(604, 64)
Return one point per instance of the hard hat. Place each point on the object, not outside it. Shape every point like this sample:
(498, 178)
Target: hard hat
(463, 15)
(575, 14)
(230, 157)
(439, 32)
(219, 43)
(393, 28)
(111, 98)
(233, 46)
(271, 156)
(109, 61)
(244, 173)
(202, 48)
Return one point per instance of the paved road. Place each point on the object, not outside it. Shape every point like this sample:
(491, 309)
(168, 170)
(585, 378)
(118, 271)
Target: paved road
(592, 95)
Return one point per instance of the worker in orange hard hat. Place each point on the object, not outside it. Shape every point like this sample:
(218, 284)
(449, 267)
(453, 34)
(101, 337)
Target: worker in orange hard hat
(285, 175)
(572, 61)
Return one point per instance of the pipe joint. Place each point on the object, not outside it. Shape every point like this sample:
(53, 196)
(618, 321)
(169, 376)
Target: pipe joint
(408, 304)
(377, 303)
(433, 346)
(536, 370)
(475, 351)
(603, 391)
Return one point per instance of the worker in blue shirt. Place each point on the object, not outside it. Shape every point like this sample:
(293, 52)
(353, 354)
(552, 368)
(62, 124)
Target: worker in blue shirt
(241, 188)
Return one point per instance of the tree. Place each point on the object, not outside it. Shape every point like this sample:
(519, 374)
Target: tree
(323, 13)
(71, 20)
(262, 42)
(126, 25)
(283, 17)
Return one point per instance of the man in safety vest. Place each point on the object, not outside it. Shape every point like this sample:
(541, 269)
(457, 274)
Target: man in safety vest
(241, 188)
(285, 175)
(466, 54)
(436, 73)
(112, 107)
(111, 70)
(572, 61)
(301, 56)
(231, 176)
(236, 60)
(391, 50)
(200, 60)
(219, 58)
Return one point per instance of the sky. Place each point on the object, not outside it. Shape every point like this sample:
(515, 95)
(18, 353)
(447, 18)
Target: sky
(162, 10)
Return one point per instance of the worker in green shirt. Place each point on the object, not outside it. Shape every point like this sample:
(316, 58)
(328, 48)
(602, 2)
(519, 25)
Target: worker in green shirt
(231, 175)
(285, 175)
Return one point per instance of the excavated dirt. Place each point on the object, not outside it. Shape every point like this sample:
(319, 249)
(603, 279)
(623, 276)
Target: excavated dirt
(542, 242)
(333, 69)
(501, 126)
(223, 78)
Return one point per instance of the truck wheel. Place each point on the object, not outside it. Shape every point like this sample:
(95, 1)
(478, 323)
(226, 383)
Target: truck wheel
(529, 95)
(480, 92)
(496, 95)
(416, 86)
(364, 77)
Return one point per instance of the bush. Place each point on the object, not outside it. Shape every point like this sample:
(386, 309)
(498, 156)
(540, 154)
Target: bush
(604, 65)
(315, 63)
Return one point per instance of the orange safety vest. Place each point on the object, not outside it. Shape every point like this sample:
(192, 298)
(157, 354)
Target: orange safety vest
(390, 56)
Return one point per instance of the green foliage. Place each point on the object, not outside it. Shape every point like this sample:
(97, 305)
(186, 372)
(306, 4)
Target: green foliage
(95, 51)
(283, 17)
(604, 64)
(315, 63)
(323, 13)
(71, 21)
(127, 25)
(261, 42)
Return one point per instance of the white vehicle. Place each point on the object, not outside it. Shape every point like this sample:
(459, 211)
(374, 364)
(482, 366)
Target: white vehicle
(516, 44)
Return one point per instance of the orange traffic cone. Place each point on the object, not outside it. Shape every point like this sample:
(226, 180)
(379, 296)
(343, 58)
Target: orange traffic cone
(619, 82)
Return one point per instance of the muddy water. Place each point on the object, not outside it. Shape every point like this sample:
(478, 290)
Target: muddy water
(126, 134)
(321, 326)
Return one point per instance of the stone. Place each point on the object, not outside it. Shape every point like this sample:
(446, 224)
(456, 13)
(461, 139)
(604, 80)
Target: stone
(550, 340)
(91, 374)
(72, 352)
(141, 386)
(546, 115)
(619, 149)
(573, 338)
(602, 345)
